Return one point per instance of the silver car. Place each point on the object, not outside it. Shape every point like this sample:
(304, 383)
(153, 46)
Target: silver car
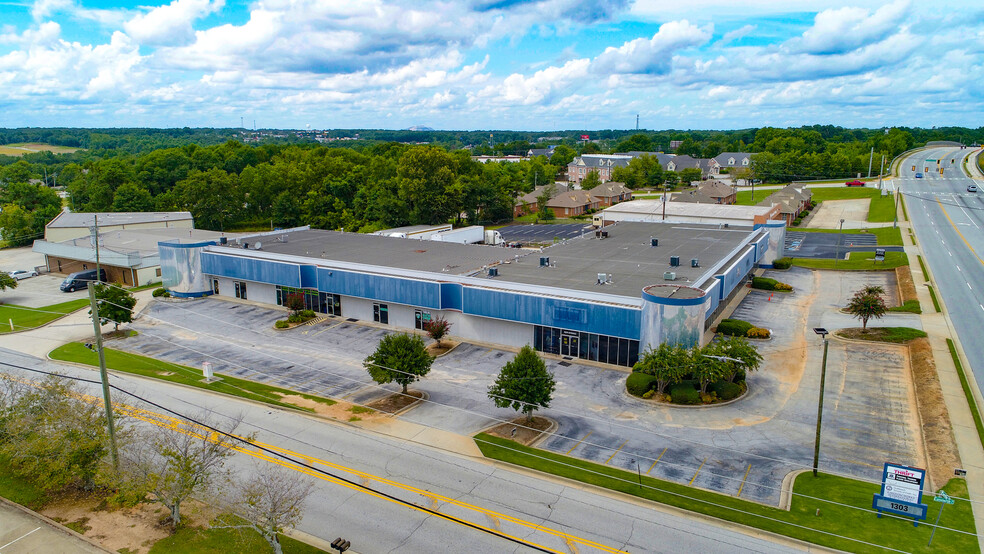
(22, 274)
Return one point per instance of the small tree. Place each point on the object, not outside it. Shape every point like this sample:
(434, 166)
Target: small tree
(294, 303)
(7, 282)
(745, 357)
(524, 384)
(437, 328)
(115, 304)
(668, 364)
(399, 358)
(864, 306)
(546, 193)
(271, 501)
(175, 462)
(591, 180)
(705, 369)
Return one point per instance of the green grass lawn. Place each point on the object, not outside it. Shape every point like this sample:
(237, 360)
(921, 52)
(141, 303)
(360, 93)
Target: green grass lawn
(881, 209)
(166, 371)
(196, 540)
(966, 389)
(853, 520)
(858, 261)
(18, 489)
(745, 196)
(29, 318)
(911, 306)
(884, 334)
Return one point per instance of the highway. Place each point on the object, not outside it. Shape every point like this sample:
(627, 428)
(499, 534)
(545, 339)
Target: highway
(949, 225)
(387, 495)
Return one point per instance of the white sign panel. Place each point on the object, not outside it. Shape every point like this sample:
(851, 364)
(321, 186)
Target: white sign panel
(903, 483)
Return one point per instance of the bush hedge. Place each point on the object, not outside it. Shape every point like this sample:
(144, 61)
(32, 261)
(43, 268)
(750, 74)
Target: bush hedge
(725, 390)
(734, 327)
(684, 393)
(281, 324)
(766, 283)
(161, 291)
(782, 263)
(757, 333)
(639, 384)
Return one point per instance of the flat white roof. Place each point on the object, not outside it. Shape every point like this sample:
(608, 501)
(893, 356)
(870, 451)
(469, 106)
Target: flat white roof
(688, 209)
(85, 219)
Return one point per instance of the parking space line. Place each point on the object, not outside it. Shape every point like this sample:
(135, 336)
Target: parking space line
(578, 442)
(743, 479)
(656, 462)
(692, 479)
(849, 430)
(616, 451)
(858, 463)
(20, 537)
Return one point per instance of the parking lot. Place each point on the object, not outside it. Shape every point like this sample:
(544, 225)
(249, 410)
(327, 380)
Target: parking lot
(742, 449)
(801, 244)
(33, 292)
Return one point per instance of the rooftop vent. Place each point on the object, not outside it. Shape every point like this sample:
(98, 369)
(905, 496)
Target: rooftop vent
(223, 240)
(544, 261)
(604, 234)
(669, 276)
(493, 272)
(654, 242)
(694, 262)
(674, 261)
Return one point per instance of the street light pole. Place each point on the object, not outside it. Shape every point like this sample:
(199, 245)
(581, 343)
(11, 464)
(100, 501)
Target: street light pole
(823, 377)
(840, 239)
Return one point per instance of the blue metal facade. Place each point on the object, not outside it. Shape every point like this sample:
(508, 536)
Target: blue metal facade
(378, 287)
(249, 269)
(553, 312)
(733, 275)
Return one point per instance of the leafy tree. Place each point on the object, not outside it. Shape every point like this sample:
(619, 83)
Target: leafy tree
(399, 358)
(270, 502)
(590, 148)
(18, 172)
(437, 328)
(706, 369)
(562, 155)
(131, 197)
(524, 384)
(638, 142)
(546, 193)
(865, 305)
(668, 364)
(115, 304)
(591, 180)
(174, 463)
(294, 303)
(7, 282)
(690, 174)
(16, 225)
(745, 357)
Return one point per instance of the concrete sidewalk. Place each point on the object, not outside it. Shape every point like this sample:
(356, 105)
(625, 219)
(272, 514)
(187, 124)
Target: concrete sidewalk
(939, 328)
(23, 531)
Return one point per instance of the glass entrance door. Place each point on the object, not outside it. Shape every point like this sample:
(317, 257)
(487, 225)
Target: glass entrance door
(569, 344)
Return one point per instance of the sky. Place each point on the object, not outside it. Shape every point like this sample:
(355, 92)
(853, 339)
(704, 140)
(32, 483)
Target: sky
(536, 65)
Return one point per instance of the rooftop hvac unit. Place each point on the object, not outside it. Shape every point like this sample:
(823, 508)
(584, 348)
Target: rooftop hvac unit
(493, 272)
(669, 276)
(674, 261)
(725, 225)
(223, 240)
(544, 261)
(604, 234)
(598, 233)
(258, 245)
(654, 242)
(602, 278)
(694, 262)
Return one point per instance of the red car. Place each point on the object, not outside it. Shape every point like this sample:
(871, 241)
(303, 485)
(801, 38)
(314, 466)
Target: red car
(855, 183)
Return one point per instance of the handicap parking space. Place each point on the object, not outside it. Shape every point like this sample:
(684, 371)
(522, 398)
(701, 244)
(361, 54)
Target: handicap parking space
(800, 244)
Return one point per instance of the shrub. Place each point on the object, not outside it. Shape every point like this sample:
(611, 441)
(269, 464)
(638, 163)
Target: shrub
(648, 394)
(684, 393)
(735, 327)
(307, 314)
(804, 213)
(766, 283)
(783, 287)
(161, 291)
(295, 318)
(797, 221)
(726, 390)
(639, 384)
(757, 333)
(782, 263)
(281, 324)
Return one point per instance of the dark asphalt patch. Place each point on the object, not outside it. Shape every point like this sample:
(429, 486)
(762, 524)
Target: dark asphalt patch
(801, 244)
(543, 233)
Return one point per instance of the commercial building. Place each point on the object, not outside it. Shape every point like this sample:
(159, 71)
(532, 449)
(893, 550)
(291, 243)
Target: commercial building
(710, 213)
(70, 225)
(604, 297)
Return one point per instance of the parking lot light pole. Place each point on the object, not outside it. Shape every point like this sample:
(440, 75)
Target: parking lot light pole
(840, 239)
(823, 375)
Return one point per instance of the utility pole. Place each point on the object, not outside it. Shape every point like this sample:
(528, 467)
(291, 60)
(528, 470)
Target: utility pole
(823, 376)
(104, 377)
(881, 172)
(871, 158)
(898, 196)
(95, 238)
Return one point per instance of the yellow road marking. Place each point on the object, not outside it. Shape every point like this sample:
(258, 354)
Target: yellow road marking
(177, 424)
(656, 462)
(616, 451)
(974, 252)
(692, 479)
(743, 479)
(579, 442)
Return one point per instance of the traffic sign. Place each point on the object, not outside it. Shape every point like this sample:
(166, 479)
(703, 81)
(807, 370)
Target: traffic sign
(941, 496)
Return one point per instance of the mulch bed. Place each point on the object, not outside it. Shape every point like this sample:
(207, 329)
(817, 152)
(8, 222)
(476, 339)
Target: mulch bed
(526, 431)
(395, 402)
(907, 288)
(446, 346)
(876, 334)
(936, 427)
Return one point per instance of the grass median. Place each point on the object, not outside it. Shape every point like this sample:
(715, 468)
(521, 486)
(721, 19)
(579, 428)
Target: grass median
(860, 261)
(965, 385)
(175, 373)
(886, 236)
(25, 318)
(826, 510)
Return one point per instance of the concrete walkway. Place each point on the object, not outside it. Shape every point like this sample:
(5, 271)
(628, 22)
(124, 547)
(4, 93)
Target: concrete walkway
(23, 531)
(939, 328)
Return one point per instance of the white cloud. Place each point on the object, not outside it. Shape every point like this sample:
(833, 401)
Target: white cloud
(842, 30)
(651, 56)
(538, 88)
(736, 34)
(171, 23)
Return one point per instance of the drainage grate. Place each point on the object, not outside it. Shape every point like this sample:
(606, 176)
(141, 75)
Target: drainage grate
(565, 364)
(351, 320)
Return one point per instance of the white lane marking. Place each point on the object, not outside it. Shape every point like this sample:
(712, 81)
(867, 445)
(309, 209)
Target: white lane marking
(950, 253)
(970, 287)
(17, 539)
(982, 306)
(958, 268)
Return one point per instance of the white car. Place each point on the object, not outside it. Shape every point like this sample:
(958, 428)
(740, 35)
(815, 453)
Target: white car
(21, 274)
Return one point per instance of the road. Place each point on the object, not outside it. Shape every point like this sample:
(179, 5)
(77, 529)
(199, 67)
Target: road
(948, 222)
(554, 516)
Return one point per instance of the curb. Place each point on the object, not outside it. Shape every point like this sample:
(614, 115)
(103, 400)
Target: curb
(53, 523)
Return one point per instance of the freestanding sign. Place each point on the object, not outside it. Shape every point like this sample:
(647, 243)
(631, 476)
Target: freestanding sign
(901, 492)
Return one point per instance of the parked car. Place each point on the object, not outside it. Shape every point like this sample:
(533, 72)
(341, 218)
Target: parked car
(918, 175)
(855, 183)
(80, 280)
(971, 188)
(22, 274)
